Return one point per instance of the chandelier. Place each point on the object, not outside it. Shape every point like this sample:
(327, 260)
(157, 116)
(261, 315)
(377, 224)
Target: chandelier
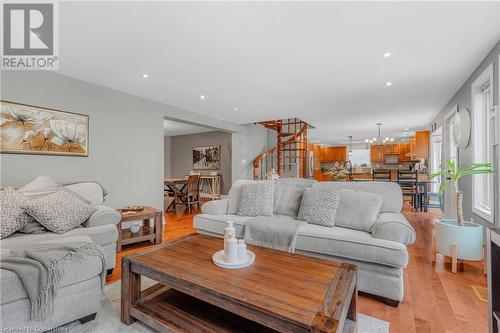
(379, 140)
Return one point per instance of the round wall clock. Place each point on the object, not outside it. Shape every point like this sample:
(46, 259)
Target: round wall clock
(462, 128)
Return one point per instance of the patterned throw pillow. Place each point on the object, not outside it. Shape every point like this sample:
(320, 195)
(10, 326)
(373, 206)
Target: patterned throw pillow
(59, 212)
(319, 207)
(12, 217)
(257, 199)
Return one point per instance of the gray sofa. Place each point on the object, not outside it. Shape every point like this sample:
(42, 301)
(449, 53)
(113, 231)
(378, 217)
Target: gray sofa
(79, 295)
(380, 255)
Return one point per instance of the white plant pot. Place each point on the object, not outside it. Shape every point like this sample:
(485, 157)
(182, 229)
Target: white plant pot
(468, 238)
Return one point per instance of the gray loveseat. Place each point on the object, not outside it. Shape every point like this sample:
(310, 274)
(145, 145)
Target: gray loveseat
(79, 295)
(380, 254)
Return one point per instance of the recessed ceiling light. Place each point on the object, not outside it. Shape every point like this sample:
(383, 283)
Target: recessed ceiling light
(407, 129)
(235, 109)
(388, 84)
(202, 96)
(386, 54)
(145, 75)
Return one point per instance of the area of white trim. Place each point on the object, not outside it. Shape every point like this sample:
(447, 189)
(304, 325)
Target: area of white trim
(487, 74)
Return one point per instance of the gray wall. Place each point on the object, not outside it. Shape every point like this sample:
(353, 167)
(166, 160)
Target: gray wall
(247, 145)
(463, 99)
(166, 157)
(181, 154)
(126, 144)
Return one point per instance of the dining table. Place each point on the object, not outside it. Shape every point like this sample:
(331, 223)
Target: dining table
(173, 186)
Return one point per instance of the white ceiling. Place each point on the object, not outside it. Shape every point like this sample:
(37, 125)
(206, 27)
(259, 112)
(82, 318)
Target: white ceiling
(173, 128)
(319, 61)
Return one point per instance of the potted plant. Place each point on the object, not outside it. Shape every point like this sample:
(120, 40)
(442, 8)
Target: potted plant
(457, 238)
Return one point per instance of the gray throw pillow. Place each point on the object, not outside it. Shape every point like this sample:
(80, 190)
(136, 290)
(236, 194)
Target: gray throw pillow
(358, 210)
(12, 217)
(257, 199)
(59, 212)
(319, 207)
(288, 193)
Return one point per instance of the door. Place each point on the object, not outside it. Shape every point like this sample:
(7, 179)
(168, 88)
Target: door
(450, 153)
(436, 156)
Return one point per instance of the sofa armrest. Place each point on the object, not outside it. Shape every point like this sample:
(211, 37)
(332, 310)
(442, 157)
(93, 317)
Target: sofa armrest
(393, 227)
(102, 216)
(215, 207)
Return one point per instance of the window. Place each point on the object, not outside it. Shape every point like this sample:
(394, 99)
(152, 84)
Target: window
(482, 185)
(360, 157)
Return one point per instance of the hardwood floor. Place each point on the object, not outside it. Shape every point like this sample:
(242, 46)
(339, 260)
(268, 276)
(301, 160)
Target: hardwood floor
(435, 300)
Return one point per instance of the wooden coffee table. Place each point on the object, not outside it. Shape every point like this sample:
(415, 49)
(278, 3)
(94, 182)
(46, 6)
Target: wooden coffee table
(280, 292)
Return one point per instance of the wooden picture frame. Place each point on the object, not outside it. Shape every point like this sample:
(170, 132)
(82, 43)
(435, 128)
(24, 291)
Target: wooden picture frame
(34, 130)
(207, 157)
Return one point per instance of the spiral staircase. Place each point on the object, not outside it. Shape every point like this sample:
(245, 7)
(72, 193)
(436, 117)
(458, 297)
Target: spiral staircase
(289, 158)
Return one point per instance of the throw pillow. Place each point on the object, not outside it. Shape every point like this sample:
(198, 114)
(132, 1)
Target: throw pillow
(59, 212)
(43, 186)
(257, 199)
(358, 210)
(319, 207)
(288, 193)
(12, 217)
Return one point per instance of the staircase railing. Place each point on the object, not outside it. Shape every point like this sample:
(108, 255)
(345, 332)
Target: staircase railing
(294, 148)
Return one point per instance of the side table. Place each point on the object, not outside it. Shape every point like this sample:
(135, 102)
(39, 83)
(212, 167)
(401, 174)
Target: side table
(153, 234)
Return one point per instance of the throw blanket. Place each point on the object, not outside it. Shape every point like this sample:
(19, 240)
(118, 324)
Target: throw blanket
(41, 267)
(277, 233)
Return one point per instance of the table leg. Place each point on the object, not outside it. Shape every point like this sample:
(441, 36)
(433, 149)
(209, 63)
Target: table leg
(158, 229)
(119, 242)
(425, 197)
(131, 289)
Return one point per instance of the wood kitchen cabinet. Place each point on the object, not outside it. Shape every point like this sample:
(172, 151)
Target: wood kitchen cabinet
(422, 144)
(377, 153)
(332, 154)
(404, 148)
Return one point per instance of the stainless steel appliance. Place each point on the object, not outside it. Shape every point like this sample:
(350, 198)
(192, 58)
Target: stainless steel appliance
(391, 159)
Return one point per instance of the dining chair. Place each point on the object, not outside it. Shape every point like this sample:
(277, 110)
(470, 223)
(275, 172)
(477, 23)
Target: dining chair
(381, 175)
(191, 194)
(348, 167)
(410, 187)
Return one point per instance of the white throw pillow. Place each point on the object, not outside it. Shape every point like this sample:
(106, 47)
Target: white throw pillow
(319, 207)
(43, 186)
(59, 212)
(358, 210)
(257, 199)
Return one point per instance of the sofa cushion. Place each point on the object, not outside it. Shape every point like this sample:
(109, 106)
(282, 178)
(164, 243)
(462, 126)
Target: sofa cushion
(393, 197)
(74, 272)
(358, 210)
(257, 199)
(215, 224)
(91, 191)
(351, 244)
(288, 193)
(319, 207)
(59, 212)
(12, 216)
(102, 235)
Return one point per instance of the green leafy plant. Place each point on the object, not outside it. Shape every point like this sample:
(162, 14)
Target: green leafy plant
(452, 175)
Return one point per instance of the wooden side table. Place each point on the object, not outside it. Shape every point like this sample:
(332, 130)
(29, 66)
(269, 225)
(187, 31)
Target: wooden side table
(153, 234)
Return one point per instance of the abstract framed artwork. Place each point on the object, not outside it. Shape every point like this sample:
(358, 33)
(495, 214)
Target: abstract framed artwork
(28, 129)
(206, 157)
